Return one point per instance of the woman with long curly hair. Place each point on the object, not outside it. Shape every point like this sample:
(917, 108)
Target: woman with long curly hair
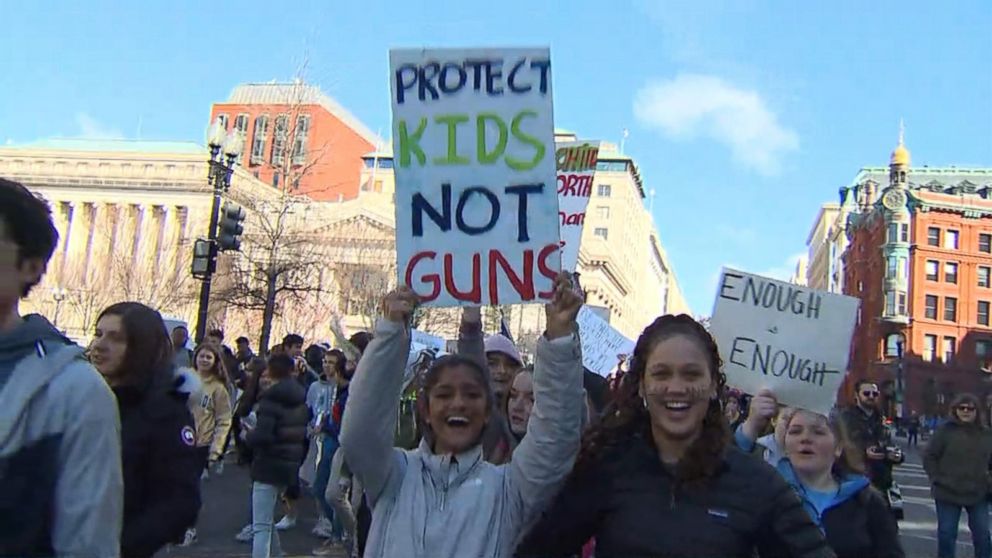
(658, 475)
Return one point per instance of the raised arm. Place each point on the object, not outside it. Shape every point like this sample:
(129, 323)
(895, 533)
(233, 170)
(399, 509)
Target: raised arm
(545, 457)
(369, 419)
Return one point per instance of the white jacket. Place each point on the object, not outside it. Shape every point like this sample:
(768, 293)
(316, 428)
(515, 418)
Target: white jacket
(438, 506)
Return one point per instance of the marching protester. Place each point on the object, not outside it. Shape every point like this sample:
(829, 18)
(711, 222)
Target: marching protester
(332, 490)
(60, 445)
(500, 362)
(826, 472)
(864, 424)
(320, 400)
(442, 499)
(661, 460)
(183, 355)
(732, 409)
(957, 461)
(132, 350)
(242, 421)
(276, 440)
(520, 403)
(211, 410)
(243, 354)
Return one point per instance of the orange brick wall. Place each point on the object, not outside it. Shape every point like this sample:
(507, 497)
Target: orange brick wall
(336, 173)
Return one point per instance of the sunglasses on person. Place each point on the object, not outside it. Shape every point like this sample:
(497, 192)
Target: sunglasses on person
(966, 408)
(869, 394)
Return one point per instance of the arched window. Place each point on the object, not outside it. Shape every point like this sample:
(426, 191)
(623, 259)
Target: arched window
(894, 345)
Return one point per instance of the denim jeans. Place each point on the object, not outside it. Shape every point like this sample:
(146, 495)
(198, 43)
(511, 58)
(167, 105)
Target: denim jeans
(327, 448)
(337, 496)
(948, 516)
(265, 538)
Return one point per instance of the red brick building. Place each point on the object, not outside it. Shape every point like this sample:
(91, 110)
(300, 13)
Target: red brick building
(920, 259)
(295, 133)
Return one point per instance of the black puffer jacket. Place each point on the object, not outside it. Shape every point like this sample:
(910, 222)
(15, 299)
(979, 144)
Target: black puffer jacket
(863, 526)
(634, 507)
(160, 464)
(277, 440)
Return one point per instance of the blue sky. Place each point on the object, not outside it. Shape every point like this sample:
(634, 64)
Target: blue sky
(744, 115)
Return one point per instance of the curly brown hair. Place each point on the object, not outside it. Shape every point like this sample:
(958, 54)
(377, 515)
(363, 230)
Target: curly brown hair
(627, 418)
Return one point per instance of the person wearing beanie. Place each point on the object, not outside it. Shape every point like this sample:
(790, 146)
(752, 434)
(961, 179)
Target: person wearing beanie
(504, 363)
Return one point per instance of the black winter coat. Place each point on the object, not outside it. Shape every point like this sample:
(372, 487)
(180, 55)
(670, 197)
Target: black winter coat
(278, 439)
(635, 507)
(160, 464)
(863, 526)
(868, 431)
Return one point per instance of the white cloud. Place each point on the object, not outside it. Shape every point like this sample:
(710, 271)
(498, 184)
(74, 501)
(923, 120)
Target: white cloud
(692, 105)
(91, 128)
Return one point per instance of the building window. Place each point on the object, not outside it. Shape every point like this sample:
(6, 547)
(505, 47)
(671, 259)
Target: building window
(983, 350)
(933, 236)
(279, 140)
(895, 304)
(300, 139)
(948, 349)
(932, 269)
(893, 266)
(223, 120)
(931, 307)
(893, 232)
(861, 286)
(983, 276)
(983, 312)
(904, 227)
(275, 179)
(603, 212)
(604, 190)
(951, 240)
(902, 304)
(258, 140)
(929, 347)
(601, 232)
(892, 343)
(950, 309)
(241, 124)
(985, 243)
(951, 272)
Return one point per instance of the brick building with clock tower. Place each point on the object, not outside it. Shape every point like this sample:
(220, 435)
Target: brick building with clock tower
(920, 257)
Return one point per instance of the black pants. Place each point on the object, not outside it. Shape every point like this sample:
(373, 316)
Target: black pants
(913, 438)
(202, 457)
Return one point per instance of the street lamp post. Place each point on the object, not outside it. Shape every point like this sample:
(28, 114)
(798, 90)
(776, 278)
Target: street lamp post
(223, 152)
(58, 295)
(900, 387)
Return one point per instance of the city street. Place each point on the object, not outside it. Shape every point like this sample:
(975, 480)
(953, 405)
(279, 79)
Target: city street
(226, 509)
(919, 528)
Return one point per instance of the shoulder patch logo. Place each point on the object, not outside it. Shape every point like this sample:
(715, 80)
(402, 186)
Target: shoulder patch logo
(187, 435)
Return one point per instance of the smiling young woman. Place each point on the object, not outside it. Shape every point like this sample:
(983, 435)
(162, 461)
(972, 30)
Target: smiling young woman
(658, 476)
(443, 499)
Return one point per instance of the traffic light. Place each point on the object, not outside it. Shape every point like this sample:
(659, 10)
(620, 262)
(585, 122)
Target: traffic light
(230, 227)
(204, 258)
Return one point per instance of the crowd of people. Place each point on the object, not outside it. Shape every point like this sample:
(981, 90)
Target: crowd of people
(411, 453)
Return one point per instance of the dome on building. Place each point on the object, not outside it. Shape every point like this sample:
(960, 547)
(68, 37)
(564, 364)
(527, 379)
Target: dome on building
(900, 156)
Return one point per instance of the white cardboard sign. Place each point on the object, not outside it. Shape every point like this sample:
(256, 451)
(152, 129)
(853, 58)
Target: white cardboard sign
(420, 341)
(788, 338)
(474, 161)
(576, 164)
(602, 345)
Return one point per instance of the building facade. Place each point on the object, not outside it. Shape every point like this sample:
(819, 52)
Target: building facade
(920, 258)
(127, 213)
(821, 249)
(623, 266)
(294, 132)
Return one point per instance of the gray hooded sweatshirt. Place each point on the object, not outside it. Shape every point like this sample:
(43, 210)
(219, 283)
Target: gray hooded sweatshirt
(426, 505)
(60, 449)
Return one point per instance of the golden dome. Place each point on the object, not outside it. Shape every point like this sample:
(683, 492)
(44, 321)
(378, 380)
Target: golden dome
(900, 156)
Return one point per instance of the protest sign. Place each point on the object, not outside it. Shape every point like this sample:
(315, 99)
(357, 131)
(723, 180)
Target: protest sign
(420, 341)
(602, 346)
(473, 144)
(788, 338)
(576, 165)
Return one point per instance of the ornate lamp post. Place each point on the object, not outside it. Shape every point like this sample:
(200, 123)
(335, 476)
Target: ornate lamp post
(58, 295)
(224, 150)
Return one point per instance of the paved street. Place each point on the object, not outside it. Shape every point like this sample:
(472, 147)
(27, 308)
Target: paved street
(226, 509)
(919, 528)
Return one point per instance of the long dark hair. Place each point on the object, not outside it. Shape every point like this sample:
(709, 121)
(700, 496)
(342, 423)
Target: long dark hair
(149, 348)
(627, 418)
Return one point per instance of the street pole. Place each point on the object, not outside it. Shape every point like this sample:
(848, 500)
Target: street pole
(203, 309)
(900, 389)
(219, 177)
